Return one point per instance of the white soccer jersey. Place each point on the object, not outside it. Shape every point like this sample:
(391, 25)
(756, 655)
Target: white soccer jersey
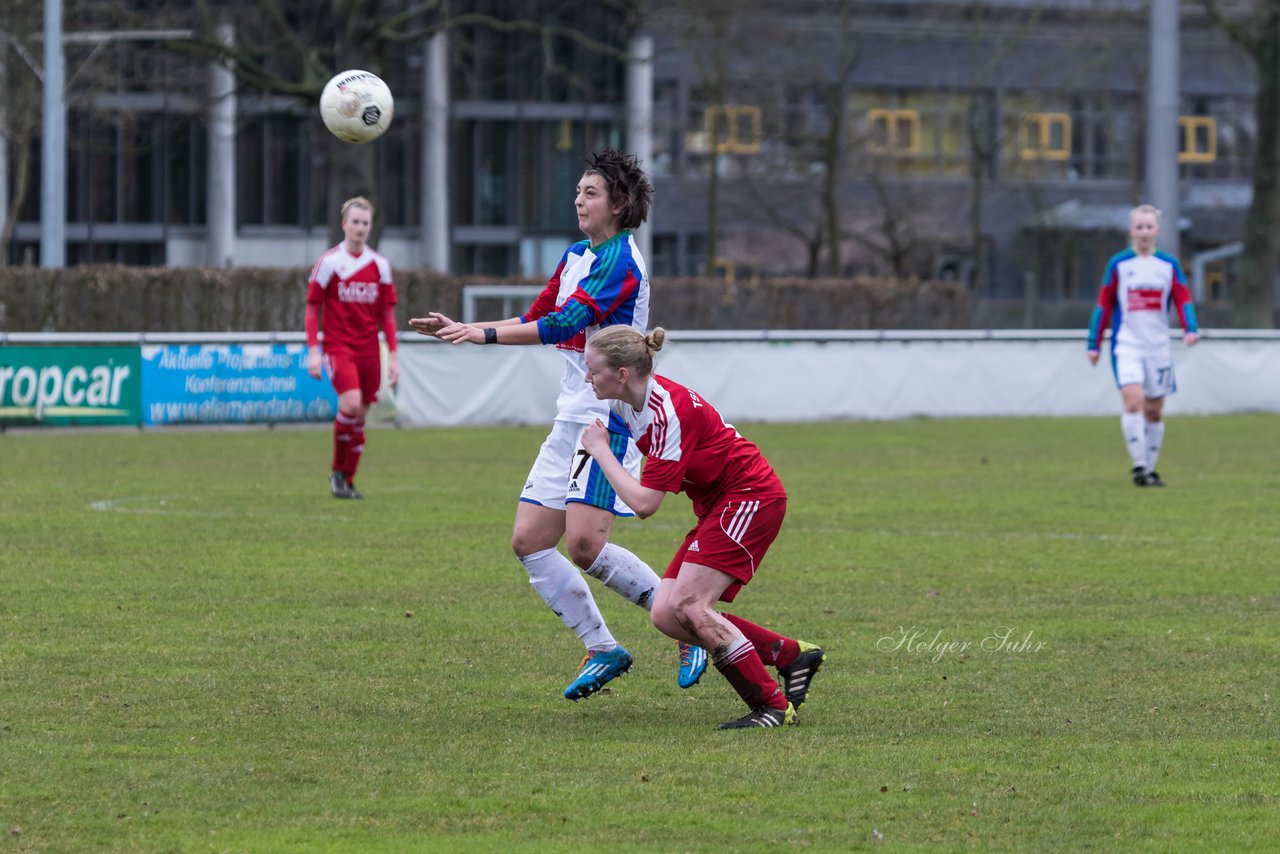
(593, 287)
(1138, 290)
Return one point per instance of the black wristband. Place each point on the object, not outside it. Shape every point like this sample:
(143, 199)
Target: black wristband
(490, 335)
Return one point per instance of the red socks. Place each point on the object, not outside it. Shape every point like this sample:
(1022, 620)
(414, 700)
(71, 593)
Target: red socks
(354, 450)
(742, 667)
(772, 647)
(343, 427)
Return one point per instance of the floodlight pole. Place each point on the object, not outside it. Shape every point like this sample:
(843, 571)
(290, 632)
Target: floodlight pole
(220, 180)
(53, 140)
(53, 144)
(435, 155)
(4, 151)
(640, 123)
(1163, 87)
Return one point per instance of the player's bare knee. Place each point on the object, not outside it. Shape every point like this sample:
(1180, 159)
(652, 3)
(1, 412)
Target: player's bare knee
(524, 544)
(664, 620)
(583, 549)
(690, 613)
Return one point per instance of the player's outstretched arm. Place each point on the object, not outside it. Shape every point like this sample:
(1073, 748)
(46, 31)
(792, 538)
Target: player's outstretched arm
(472, 333)
(431, 324)
(435, 322)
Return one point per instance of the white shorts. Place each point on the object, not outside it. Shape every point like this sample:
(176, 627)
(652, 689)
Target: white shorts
(1153, 373)
(564, 473)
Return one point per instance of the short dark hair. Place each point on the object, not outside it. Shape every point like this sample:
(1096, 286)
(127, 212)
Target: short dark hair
(629, 187)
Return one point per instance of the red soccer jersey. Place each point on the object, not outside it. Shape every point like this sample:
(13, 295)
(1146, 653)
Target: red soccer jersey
(353, 292)
(689, 448)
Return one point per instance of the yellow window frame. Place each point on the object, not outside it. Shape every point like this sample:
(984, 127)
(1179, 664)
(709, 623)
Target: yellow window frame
(1035, 136)
(1187, 127)
(736, 118)
(894, 120)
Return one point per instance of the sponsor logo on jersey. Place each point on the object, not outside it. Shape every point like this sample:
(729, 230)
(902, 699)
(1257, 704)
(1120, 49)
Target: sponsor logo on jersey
(1146, 299)
(573, 486)
(694, 547)
(358, 292)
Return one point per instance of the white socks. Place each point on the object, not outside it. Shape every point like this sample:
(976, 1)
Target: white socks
(625, 574)
(1133, 425)
(1155, 437)
(565, 591)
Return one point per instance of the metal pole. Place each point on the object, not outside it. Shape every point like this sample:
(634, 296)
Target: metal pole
(220, 180)
(53, 146)
(640, 122)
(4, 150)
(435, 155)
(1163, 88)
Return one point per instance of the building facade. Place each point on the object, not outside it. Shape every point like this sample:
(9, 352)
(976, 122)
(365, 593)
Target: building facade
(1000, 143)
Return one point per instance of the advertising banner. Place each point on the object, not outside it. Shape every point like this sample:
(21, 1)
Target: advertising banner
(232, 383)
(69, 385)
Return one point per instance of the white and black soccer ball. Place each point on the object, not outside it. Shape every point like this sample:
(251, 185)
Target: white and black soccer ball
(357, 106)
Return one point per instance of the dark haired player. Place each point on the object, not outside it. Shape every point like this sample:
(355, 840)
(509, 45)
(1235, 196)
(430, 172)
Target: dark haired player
(599, 282)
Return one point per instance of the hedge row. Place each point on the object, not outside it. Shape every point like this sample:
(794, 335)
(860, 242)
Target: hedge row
(183, 299)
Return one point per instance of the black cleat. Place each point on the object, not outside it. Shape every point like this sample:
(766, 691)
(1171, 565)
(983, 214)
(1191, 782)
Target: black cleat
(1153, 478)
(763, 716)
(338, 485)
(1140, 476)
(352, 492)
(798, 675)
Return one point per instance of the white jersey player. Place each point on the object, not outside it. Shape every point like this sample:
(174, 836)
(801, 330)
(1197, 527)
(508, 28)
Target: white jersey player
(1141, 284)
(599, 282)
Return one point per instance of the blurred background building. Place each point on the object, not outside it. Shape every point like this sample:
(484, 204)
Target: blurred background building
(998, 143)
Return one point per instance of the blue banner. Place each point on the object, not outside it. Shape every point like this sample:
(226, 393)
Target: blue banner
(232, 383)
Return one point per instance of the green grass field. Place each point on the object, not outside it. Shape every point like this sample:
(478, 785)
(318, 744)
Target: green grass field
(200, 650)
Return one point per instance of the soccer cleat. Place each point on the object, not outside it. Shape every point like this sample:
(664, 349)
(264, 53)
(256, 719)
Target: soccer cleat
(352, 492)
(598, 668)
(1153, 479)
(798, 675)
(693, 663)
(1140, 476)
(763, 716)
(338, 485)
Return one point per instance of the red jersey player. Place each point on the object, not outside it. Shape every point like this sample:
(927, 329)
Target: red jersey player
(351, 293)
(738, 500)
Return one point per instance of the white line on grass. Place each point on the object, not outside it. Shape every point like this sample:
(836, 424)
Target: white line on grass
(161, 506)
(121, 505)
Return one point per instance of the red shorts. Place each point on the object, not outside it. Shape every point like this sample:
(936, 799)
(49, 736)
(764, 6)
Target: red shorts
(732, 538)
(348, 371)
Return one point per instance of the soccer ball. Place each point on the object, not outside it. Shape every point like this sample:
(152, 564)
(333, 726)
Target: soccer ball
(356, 106)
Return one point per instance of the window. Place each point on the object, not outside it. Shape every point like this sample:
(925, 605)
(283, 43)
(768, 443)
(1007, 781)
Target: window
(895, 132)
(1044, 136)
(1216, 138)
(270, 171)
(919, 133)
(552, 162)
(1197, 139)
(731, 129)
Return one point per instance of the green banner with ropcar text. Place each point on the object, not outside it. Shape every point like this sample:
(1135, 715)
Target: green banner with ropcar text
(70, 385)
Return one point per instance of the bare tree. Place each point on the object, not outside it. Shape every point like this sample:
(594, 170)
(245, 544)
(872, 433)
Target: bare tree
(1257, 30)
(20, 111)
(293, 49)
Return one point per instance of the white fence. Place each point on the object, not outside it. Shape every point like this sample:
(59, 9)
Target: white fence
(806, 376)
